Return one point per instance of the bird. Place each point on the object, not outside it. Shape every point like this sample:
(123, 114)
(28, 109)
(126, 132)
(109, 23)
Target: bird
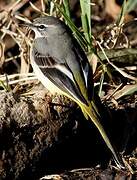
(61, 65)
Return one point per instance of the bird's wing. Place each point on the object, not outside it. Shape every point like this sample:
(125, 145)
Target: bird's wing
(86, 73)
(59, 74)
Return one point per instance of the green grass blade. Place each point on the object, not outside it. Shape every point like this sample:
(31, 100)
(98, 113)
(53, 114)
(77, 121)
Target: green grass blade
(86, 18)
(5, 87)
(126, 7)
(120, 19)
(67, 7)
(131, 5)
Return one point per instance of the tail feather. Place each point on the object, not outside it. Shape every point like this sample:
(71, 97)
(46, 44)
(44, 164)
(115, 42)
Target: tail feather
(91, 112)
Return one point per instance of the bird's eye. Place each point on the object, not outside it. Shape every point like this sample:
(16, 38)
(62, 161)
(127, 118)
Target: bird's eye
(41, 27)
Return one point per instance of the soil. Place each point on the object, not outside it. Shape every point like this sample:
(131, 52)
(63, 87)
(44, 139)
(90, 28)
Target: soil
(40, 136)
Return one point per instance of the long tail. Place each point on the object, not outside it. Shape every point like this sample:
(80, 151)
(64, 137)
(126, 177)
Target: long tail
(90, 111)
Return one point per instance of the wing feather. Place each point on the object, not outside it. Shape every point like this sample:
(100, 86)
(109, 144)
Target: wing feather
(85, 67)
(59, 74)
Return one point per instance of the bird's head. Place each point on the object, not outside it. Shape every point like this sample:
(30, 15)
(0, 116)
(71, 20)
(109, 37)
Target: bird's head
(46, 26)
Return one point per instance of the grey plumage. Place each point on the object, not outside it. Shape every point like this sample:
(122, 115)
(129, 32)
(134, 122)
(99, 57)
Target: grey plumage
(66, 52)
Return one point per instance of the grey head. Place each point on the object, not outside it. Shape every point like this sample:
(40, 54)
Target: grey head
(47, 26)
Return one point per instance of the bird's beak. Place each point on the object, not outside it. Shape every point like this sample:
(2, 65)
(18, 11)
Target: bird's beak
(28, 25)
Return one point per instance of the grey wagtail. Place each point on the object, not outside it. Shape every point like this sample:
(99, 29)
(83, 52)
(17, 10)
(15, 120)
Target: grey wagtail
(62, 66)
